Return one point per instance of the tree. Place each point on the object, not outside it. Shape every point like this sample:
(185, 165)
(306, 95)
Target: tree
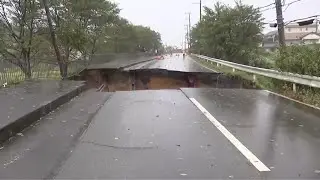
(75, 27)
(18, 19)
(230, 33)
(66, 31)
(125, 37)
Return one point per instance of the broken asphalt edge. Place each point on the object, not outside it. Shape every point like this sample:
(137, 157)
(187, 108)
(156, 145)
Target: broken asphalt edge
(140, 62)
(24, 121)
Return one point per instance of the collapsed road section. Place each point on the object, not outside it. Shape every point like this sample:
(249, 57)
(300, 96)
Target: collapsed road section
(173, 72)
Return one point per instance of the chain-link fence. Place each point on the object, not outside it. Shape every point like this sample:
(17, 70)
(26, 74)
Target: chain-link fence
(12, 74)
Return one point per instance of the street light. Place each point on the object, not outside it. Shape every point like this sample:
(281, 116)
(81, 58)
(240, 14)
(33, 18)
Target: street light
(273, 25)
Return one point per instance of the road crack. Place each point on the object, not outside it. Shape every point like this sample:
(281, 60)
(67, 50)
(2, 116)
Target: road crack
(121, 147)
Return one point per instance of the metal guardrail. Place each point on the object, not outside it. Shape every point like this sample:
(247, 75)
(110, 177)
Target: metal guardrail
(312, 81)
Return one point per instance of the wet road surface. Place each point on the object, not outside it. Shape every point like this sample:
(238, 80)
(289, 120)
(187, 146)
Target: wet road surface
(38, 151)
(173, 63)
(119, 62)
(284, 137)
(164, 135)
(154, 134)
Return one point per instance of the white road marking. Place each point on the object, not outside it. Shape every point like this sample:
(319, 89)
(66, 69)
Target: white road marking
(245, 151)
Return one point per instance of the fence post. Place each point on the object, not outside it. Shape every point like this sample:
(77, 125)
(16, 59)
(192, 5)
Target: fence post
(294, 87)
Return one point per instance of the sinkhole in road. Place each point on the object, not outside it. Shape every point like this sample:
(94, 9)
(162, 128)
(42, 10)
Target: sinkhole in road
(112, 80)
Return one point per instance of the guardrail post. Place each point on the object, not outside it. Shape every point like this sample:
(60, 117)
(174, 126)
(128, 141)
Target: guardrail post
(233, 70)
(293, 78)
(254, 78)
(294, 87)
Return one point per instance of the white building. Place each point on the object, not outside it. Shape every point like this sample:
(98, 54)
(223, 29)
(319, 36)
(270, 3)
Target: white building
(295, 28)
(294, 35)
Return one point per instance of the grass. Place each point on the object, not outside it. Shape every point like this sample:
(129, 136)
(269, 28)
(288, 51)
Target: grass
(304, 94)
(14, 75)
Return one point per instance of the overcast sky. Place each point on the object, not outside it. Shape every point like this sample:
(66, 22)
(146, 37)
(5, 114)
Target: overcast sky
(168, 17)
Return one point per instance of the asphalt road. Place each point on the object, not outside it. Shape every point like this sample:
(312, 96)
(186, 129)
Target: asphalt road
(282, 134)
(169, 134)
(118, 63)
(235, 134)
(173, 63)
(154, 135)
(39, 151)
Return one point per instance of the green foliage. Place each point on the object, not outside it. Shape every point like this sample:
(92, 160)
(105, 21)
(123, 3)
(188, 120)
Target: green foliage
(18, 19)
(230, 33)
(299, 59)
(126, 37)
(81, 28)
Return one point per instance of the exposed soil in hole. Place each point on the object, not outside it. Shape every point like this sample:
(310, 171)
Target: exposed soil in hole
(115, 80)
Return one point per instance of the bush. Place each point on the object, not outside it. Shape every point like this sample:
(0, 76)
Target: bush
(261, 62)
(299, 59)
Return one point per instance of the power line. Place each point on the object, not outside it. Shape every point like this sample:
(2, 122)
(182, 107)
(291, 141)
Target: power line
(268, 9)
(283, 4)
(290, 4)
(266, 6)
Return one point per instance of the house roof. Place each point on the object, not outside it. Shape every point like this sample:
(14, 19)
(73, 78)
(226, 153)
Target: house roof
(294, 36)
(294, 25)
(298, 36)
(289, 36)
(318, 34)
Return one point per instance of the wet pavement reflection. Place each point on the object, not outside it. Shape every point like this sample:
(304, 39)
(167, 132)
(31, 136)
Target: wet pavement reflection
(173, 63)
(154, 135)
(283, 136)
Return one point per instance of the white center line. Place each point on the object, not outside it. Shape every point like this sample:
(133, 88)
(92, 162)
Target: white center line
(245, 151)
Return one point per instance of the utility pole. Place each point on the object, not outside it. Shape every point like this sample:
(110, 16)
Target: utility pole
(200, 10)
(200, 5)
(189, 29)
(317, 26)
(280, 23)
(187, 37)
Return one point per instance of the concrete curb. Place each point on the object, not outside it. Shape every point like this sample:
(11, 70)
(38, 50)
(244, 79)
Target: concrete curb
(33, 116)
